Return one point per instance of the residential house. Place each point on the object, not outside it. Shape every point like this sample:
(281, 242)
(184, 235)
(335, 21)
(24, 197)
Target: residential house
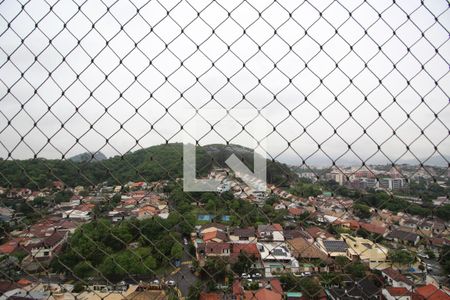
(396, 279)
(317, 232)
(309, 256)
(12, 245)
(279, 206)
(216, 236)
(47, 247)
(368, 252)
(276, 258)
(409, 224)
(211, 296)
(332, 247)
(403, 237)
(273, 232)
(397, 293)
(117, 215)
(76, 214)
(425, 228)
(271, 291)
(250, 250)
(431, 292)
(347, 224)
(212, 227)
(290, 234)
(373, 228)
(213, 250)
(59, 185)
(295, 212)
(243, 235)
(439, 228)
(145, 212)
(6, 214)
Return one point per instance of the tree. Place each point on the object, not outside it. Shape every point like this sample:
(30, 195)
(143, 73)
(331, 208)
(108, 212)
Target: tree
(177, 251)
(83, 269)
(243, 264)
(308, 285)
(401, 257)
(304, 189)
(341, 261)
(445, 259)
(356, 269)
(361, 210)
(443, 212)
(63, 196)
(195, 290)
(362, 233)
(215, 268)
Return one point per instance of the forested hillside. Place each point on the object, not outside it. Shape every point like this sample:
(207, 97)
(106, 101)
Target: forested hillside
(150, 164)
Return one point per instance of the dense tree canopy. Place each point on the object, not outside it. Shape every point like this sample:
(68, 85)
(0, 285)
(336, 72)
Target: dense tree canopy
(101, 248)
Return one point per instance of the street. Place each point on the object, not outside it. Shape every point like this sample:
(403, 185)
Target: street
(183, 277)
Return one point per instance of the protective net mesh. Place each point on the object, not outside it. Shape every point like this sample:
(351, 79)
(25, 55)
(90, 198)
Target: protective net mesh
(348, 101)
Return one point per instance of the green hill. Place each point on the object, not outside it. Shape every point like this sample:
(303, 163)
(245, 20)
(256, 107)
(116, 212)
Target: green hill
(150, 164)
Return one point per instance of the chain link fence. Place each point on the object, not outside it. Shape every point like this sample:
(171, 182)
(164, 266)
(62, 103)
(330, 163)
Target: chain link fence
(347, 100)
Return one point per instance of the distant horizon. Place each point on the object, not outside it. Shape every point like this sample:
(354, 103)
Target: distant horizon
(316, 162)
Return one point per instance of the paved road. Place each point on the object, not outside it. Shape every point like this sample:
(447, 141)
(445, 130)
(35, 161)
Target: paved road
(183, 276)
(437, 273)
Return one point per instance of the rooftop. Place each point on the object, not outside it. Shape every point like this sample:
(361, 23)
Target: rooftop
(335, 246)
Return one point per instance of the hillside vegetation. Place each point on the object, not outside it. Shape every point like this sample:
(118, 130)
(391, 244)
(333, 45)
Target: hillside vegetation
(150, 164)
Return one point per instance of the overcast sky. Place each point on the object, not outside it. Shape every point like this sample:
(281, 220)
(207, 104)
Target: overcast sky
(300, 64)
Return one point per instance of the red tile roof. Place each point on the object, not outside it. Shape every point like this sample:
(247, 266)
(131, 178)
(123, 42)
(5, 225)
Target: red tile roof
(237, 288)
(276, 286)
(395, 275)
(262, 294)
(210, 296)
(213, 248)
(373, 228)
(397, 291)
(9, 247)
(431, 292)
(295, 211)
(216, 234)
(250, 248)
(316, 232)
(277, 227)
(24, 282)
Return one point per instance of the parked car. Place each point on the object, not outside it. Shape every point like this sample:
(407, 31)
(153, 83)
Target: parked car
(170, 282)
(245, 275)
(423, 255)
(256, 275)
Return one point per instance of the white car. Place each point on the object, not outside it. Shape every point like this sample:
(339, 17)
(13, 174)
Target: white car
(170, 282)
(423, 255)
(245, 275)
(256, 275)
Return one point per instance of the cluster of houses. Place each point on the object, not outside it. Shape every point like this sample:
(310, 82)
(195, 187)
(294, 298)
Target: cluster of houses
(401, 228)
(141, 205)
(276, 250)
(305, 252)
(40, 242)
(300, 249)
(395, 287)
